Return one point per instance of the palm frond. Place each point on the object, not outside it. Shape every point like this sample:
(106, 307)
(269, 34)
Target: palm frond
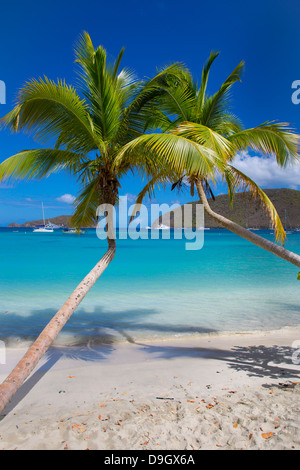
(207, 137)
(270, 138)
(38, 163)
(146, 109)
(160, 178)
(102, 91)
(52, 110)
(179, 153)
(86, 205)
(228, 124)
(215, 105)
(117, 63)
(242, 181)
(204, 79)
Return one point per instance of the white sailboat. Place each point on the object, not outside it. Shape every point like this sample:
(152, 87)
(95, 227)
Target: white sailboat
(43, 229)
(162, 227)
(77, 232)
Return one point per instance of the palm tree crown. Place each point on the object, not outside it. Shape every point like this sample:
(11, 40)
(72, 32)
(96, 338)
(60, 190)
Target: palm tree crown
(186, 112)
(86, 128)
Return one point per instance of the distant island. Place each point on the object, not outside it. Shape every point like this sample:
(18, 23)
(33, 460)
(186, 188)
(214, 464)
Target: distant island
(246, 211)
(61, 220)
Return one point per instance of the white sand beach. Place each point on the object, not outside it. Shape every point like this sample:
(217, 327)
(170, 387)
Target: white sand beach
(206, 392)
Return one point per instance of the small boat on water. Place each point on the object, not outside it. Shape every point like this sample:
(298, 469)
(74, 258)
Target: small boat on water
(45, 228)
(77, 232)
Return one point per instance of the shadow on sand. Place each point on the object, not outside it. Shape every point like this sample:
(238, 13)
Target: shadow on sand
(104, 329)
(269, 362)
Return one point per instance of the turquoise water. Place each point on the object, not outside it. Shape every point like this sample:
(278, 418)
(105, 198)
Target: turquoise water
(152, 288)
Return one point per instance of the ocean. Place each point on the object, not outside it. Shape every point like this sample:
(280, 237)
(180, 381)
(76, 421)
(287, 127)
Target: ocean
(152, 289)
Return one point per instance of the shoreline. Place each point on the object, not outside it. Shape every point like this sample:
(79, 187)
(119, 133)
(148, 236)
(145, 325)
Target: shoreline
(116, 337)
(200, 393)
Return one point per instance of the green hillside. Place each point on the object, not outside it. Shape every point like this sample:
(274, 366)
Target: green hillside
(248, 212)
(245, 211)
(62, 220)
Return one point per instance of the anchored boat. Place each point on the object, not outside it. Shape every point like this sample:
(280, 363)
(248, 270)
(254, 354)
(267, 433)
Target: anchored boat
(45, 228)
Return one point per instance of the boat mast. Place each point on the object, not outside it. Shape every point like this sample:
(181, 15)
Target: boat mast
(43, 213)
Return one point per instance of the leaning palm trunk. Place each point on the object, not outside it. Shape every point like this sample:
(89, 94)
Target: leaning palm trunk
(23, 369)
(247, 234)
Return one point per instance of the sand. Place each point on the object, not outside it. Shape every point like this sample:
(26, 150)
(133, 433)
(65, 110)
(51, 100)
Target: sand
(203, 392)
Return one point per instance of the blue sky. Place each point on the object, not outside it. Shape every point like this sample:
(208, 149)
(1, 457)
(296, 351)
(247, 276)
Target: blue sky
(37, 38)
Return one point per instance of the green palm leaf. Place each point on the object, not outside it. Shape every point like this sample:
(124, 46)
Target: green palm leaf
(214, 106)
(105, 91)
(239, 180)
(86, 206)
(162, 177)
(270, 138)
(52, 110)
(207, 137)
(204, 79)
(39, 163)
(179, 153)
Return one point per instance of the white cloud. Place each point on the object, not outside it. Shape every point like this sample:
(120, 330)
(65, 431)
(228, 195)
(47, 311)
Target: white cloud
(266, 172)
(66, 198)
(131, 197)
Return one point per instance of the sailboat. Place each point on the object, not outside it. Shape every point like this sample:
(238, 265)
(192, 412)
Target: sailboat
(76, 231)
(43, 229)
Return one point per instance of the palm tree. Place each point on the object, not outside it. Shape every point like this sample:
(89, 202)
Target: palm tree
(86, 131)
(185, 111)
